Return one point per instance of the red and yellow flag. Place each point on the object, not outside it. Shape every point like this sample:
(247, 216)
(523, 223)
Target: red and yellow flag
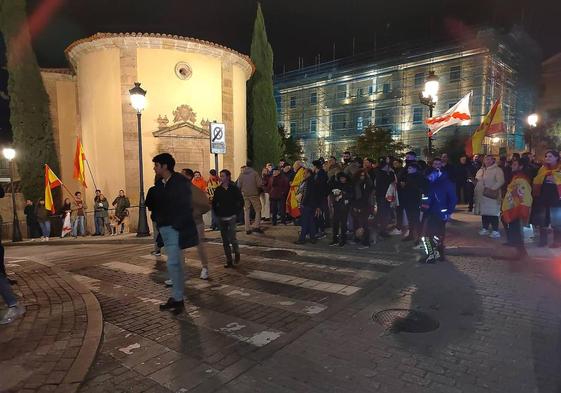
(492, 123)
(51, 182)
(79, 167)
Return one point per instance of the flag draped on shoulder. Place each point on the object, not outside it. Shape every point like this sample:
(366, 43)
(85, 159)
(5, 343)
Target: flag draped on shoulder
(79, 167)
(456, 114)
(492, 123)
(51, 181)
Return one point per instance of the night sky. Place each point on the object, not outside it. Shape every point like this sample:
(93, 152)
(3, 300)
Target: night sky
(296, 28)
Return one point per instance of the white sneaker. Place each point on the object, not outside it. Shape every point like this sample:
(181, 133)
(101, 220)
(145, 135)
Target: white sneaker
(495, 235)
(47, 239)
(168, 283)
(204, 274)
(395, 232)
(483, 232)
(12, 314)
(406, 233)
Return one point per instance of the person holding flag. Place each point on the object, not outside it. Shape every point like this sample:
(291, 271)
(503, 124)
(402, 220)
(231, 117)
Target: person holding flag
(292, 205)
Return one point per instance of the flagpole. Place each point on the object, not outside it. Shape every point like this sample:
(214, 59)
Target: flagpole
(91, 174)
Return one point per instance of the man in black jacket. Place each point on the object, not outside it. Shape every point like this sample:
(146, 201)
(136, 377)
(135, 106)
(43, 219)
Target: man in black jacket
(227, 204)
(410, 198)
(175, 223)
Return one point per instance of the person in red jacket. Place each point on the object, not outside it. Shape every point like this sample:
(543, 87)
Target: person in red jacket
(277, 187)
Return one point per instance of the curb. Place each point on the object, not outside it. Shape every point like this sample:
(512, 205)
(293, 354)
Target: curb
(142, 240)
(92, 338)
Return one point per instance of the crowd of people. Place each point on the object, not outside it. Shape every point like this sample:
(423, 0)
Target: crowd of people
(354, 200)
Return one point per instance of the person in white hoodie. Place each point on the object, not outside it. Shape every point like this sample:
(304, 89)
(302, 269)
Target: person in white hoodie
(490, 178)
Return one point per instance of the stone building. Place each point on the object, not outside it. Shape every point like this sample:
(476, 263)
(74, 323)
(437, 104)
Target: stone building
(327, 106)
(189, 83)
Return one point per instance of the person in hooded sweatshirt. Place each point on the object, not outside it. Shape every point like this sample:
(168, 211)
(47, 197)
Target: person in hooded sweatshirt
(343, 195)
(438, 204)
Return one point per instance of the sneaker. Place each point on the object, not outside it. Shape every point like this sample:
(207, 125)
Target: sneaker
(204, 274)
(363, 247)
(156, 253)
(483, 232)
(168, 283)
(300, 242)
(406, 233)
(176, 307)
(395, 232)
(322, 235)
(12, 314)
(334, 243)
(258, 230)
(495, 235)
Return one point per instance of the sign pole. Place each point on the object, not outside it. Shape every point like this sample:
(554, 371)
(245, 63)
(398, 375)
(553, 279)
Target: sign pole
(216, 162)
(217, 133)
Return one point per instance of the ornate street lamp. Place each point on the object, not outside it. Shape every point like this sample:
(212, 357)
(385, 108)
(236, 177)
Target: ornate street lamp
(429, 97)
(138, 102)
(532, 120)
(10, 154)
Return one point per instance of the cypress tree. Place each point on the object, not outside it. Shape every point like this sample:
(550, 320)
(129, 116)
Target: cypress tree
(264, 142)
(30, 117)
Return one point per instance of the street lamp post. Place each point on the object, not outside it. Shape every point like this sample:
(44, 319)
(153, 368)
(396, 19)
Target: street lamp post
(532, 123)
(10, 154)
(138, 101)
(429, 97)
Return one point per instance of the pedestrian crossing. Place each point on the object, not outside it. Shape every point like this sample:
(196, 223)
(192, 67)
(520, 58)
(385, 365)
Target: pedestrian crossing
(261, 300)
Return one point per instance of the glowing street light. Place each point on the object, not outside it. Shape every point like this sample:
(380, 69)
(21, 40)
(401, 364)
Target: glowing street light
(138, 102)
(10, 154)
(429, 97)
(533, 120)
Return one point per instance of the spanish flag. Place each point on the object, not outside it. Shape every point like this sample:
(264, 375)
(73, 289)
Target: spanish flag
(51, 182)
(492, 123)
(79, 167)
(292, 207)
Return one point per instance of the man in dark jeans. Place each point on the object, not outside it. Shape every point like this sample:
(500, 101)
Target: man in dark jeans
(411, 192)
(227, 204)
(277, 187)
(175, 223)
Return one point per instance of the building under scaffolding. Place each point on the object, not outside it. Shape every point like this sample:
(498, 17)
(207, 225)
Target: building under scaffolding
(327, 106)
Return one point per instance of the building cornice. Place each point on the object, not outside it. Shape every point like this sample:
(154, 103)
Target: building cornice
(101, 41)
(57, 73)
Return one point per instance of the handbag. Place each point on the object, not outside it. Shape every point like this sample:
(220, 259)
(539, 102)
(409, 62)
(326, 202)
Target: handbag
(490, 193)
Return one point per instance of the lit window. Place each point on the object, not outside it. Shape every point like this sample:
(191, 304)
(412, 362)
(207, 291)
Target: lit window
(293, 128)
(293, 102)
(417, 115)
(341, 92)
(313, 98)
(419, 79)
(359, 123)
(313, 125)
(455, 73)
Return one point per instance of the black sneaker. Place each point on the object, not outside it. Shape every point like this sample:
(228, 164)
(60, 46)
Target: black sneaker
(334, 243)
(171, 304)
(228, 264)
(300, 242)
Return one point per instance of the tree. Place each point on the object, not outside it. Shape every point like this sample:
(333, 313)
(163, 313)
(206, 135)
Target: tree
(29, 103)
(377, 142)
(264, 143)
(291, 150)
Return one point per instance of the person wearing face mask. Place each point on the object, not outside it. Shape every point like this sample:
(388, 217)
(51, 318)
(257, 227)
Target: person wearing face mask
(489, 181)
(438, 204)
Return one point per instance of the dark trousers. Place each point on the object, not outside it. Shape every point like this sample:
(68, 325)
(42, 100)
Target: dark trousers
(322, 219)
(307, 224)
(399, 217)
(278, 207)
(413, 217)
(228, 234)
(340, 216)
(360, 220)
(514, 233)
(384, 214)
(492, 221)
(464, 191)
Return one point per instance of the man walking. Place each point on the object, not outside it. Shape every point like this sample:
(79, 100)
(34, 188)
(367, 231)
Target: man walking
(227, 203)
(251, 186)
(79, 208)
(175, 223)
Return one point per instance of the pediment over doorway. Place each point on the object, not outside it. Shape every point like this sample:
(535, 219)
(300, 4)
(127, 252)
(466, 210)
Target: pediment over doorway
(182, 130)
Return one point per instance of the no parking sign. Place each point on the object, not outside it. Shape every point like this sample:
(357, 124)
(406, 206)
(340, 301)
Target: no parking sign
(217, 138)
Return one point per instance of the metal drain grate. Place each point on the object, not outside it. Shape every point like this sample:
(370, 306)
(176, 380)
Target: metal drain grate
(278, 254)
(404, 320)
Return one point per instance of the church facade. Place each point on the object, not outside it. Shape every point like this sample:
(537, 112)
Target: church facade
(189, 84)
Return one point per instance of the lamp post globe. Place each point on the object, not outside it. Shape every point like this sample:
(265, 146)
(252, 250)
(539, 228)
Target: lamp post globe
(138, 102)
(533, 120)
(429, 97)
(9, 154)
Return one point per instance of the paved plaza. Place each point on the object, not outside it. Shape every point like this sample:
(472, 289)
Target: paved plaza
(288, 319)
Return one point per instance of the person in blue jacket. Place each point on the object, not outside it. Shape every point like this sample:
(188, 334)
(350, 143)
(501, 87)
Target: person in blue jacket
(438, 204)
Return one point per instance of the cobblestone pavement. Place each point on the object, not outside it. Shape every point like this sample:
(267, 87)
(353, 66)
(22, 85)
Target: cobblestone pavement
(300, 320)
(43, 351)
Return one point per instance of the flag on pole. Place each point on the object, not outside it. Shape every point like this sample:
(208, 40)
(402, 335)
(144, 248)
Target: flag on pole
(492, 123)
(456, 114)
(79, 167)
(51, 182)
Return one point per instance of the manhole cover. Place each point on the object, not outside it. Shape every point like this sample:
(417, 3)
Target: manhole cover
(278, 253)
(403, 320)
